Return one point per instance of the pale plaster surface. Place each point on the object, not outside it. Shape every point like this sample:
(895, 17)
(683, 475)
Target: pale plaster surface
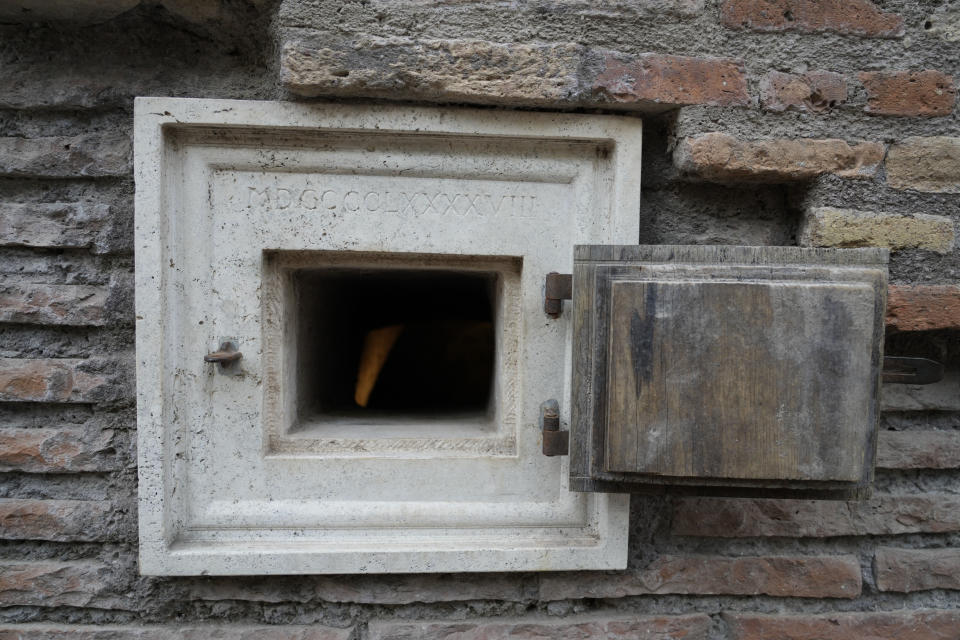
(227, 486)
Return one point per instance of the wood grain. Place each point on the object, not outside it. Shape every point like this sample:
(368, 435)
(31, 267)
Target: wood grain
(739, 380)
(745, 367)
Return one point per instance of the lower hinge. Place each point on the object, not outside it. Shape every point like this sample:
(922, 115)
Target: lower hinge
(555, 441)
(899, 370)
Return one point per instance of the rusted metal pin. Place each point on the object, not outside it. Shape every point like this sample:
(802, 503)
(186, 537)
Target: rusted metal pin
(557, 288)
(555, 441)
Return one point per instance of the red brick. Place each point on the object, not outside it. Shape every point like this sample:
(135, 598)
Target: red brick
(907, 570)
(909, 93)
(915, 624)
(58, 450)
(686, 627)
(57, 380)
(795, 576)
(62, 584)
(923, 307)
(881, 515)
(815, 91)
(852, 17)
(60, 520)
(722, 158)
(216, 631)
(918, 450)
(77, 305)
(669, 81)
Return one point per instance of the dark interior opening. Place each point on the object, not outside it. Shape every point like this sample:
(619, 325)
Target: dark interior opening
(394, 342)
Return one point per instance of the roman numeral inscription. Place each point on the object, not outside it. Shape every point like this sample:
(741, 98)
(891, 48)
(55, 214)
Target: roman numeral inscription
(401, 203)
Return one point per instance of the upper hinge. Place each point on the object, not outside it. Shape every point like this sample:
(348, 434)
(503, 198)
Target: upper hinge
(557, 288)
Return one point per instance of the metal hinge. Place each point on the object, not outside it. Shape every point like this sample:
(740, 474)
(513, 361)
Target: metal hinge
(557, 288)
(555, 441)
(897, 370)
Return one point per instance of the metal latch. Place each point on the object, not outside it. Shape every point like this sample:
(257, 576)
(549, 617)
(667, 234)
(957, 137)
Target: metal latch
(899, 370)
(555, 441)
(558, 287)
(227, 356)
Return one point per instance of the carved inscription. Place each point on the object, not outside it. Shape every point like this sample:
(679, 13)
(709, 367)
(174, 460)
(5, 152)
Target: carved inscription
(401, 203)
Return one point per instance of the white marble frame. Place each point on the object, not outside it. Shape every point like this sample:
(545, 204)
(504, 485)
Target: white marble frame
(187, 525)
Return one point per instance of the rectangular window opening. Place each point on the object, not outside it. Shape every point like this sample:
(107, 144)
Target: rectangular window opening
(381, 347)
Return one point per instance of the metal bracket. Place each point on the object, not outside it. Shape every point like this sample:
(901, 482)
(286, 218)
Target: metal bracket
(227, 357)
(899, 370)
(555, 441)
(558, 287)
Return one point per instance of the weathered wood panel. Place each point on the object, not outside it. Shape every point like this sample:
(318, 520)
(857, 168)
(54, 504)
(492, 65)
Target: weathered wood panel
(744, 367)
(740, 380)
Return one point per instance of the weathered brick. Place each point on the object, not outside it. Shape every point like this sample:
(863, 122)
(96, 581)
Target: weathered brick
(62, 584)
(815, 91)
(944, 24)
(832, 227)
(61, 520)
(853, 17)
(87, 155)
(652, 81)
(55, 225)
(881, 515)
(795, 576)
(925, 164)
(84, 12)
(909, 93)
(688, 627)
(609, 8)
(722, 158)
(77, 305)
(444, 70)
(57, 86)
(381, 589)
(59, 380)
(939, 396)
(195, 632)
(923, 307)
(915, 624)
(908, 570)
(652, 8)
(58, 450)
(560, 74)
(925, 449)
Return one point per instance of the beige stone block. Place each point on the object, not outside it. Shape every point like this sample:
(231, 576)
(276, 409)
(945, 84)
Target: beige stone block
(832, 227)
(467, 70)
(925, 164)
(720, 157)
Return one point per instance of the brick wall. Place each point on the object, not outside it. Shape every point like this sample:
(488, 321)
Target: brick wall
(821, 123)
